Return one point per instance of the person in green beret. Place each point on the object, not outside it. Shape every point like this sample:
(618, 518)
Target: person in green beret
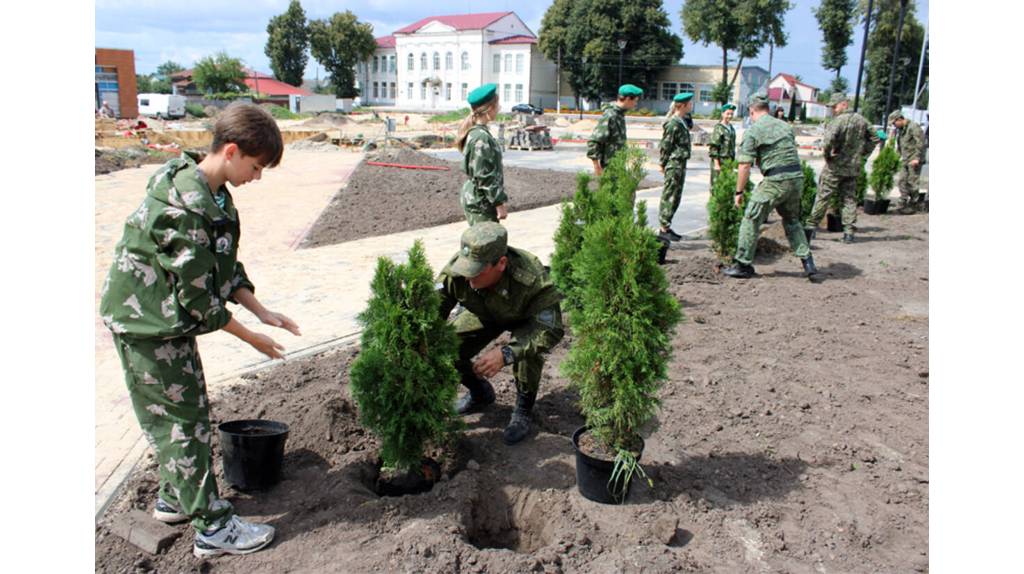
(675, 150)
(609, 135)
(722, 145)
(483, 195)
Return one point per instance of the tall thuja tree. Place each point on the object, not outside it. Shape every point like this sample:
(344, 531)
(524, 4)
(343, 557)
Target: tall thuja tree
(586, 34)
(881, 47)
(810, 190)
(883, 170)
(739, 26)
(835, 20)
(287, 42)
(723, 216)
(339, 43)
(404, 379)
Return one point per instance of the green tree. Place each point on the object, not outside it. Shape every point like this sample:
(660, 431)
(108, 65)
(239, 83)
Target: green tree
(167, 68)
(723, 216)
(835, 20)
(287, 41)
(152, 84)
(586, 34)
(740, 26)
(143, 84)
(883, 170)
(219, 73)
(878, 64)
(339, 44)
(404, 379)
(839, 85)
(809, 192)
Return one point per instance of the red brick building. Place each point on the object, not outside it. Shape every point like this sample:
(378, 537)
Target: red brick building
(115, 81)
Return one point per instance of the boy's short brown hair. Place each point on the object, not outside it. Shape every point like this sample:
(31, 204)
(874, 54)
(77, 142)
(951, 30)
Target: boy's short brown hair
(252, 129)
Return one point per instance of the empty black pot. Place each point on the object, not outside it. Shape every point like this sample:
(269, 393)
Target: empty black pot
(593, 476)
(252, 452)
(835, 222)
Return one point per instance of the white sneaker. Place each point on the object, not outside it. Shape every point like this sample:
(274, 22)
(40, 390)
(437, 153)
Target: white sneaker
(235, 537)
(168, 513)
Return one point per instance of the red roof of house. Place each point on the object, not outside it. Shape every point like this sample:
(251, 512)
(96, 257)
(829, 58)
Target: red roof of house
(793, 81)
(386, 42)
(271, 87)
(457, 21)
(517, 39)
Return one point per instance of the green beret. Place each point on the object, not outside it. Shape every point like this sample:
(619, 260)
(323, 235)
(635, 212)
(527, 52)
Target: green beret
(881, 135)
(895, 116)
(759, 98)
(728, 107)
(482, 245)
(683, 97)
(837, 98)
(482, 95)
(630, 90)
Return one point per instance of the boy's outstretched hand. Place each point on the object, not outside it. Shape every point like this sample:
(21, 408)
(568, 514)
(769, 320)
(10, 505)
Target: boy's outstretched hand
(266, 345)
(281, 321)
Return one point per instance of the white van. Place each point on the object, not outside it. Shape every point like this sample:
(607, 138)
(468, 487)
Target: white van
(161, 105)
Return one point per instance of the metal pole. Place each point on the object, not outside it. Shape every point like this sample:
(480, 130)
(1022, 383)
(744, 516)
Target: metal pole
(863, 50)
(920, 65)
(620, 66)
(558, 83)
(895, 58)
(771, 53)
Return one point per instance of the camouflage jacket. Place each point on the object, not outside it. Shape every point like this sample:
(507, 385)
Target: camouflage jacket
(723, 142)
(770, 142)
(481, 161)
(675, 143)
(175, 266)
(609, 135)
(910, 142)
(524, 293)
(849, 138)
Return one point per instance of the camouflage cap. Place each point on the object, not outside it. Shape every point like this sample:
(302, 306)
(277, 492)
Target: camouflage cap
(683, 97)
(629, 90)
(895, 116)
(482, 95)
(758, 99)
(482, 244)
(837, 98)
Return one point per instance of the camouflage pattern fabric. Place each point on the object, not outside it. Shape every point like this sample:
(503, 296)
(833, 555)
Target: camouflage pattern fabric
(609, 135)
(524, 302)
(770, 143)
(176, 265)
(675, 150)
(848, 140)
(168, 393)
(782, 195)
(485, 188)
(722, 146)
(830, 183)
(910, 143)
(908, 179)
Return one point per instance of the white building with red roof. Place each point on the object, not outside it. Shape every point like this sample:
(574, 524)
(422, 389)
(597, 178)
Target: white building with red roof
(785, 91)
(434, 63)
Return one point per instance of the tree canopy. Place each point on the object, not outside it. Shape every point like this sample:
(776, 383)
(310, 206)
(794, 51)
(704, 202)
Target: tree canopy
(219, 73)
(169, 67)
(835, 20)
(339, 43)
(878, 64)
(287, 41)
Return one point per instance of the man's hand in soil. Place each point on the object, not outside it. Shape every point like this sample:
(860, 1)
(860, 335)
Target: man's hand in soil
(502, 211)
(489, 363)
(280, 321)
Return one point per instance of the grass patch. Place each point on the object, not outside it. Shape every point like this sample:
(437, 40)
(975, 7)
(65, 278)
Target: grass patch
(195, 110)
(447, 117)
(282, 113)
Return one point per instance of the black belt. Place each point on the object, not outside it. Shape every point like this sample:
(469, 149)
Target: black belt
(781, 169)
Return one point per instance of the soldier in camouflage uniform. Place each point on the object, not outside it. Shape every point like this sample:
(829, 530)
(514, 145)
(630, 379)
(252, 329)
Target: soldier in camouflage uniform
(848, 141)
(910, 144)
(675, 150)
(174, 271)
(609, 135)
(483, 195)
(722, 145)
(501, 289)
(769, 142)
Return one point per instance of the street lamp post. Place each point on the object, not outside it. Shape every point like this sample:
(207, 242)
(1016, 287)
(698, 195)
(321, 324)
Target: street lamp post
(622, 46)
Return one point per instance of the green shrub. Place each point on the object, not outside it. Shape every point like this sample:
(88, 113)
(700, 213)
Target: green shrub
(883, 171)
(716, 114)
(810, 191)
(404, 379)
(282, 113)
(448, 117)
(723, 216)
(195, 110)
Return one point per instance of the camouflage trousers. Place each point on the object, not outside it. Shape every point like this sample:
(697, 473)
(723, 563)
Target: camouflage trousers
(476, 209)
(909, 181)
(829, 184)
(474, 335)
(782, 196)
(168, 393)
(671, 194)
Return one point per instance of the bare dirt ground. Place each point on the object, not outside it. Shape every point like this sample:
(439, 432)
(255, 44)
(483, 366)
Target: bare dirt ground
(793, 437)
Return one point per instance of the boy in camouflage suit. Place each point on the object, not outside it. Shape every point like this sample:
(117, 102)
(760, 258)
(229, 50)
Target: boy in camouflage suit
(609, 135)
(501, 289)
(849, 140)
(722, 145)
(174, 271)
(910, 143)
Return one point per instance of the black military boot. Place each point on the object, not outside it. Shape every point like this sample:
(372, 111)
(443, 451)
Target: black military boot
(739, 270)
(810, 271)
(519, 426)
(480, 394)
(847, 238)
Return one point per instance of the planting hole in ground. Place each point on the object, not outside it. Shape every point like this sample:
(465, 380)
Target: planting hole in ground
(510, 518)
(385, 482)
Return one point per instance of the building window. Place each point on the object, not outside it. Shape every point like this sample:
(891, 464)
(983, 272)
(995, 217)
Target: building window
(448, 91)
(423, 61)
(391, 63)
(508, 92)
(668, 90)
(508, 63)
(410, 90)
(448, 61)
(376, 92)
(391, 91)
(519, 93)
(465, 90)
(519, 63)
(705, 92)
(437, 61)
(497, 63)
(423, 91)
(375, 64)
(412, 62)
(465, 60)
(686, 87)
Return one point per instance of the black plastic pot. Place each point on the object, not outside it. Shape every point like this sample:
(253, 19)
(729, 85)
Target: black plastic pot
(593, 475)
(252, 452)
(662, 250)
(876, 206)
(835, 222)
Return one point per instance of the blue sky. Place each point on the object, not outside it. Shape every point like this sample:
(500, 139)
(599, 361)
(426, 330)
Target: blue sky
(186, 30)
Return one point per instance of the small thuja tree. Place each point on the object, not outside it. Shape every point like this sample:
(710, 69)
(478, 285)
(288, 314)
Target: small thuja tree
(883, 171)
(404, 379)
(723, 216)
(810, 191)
(623, 328)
